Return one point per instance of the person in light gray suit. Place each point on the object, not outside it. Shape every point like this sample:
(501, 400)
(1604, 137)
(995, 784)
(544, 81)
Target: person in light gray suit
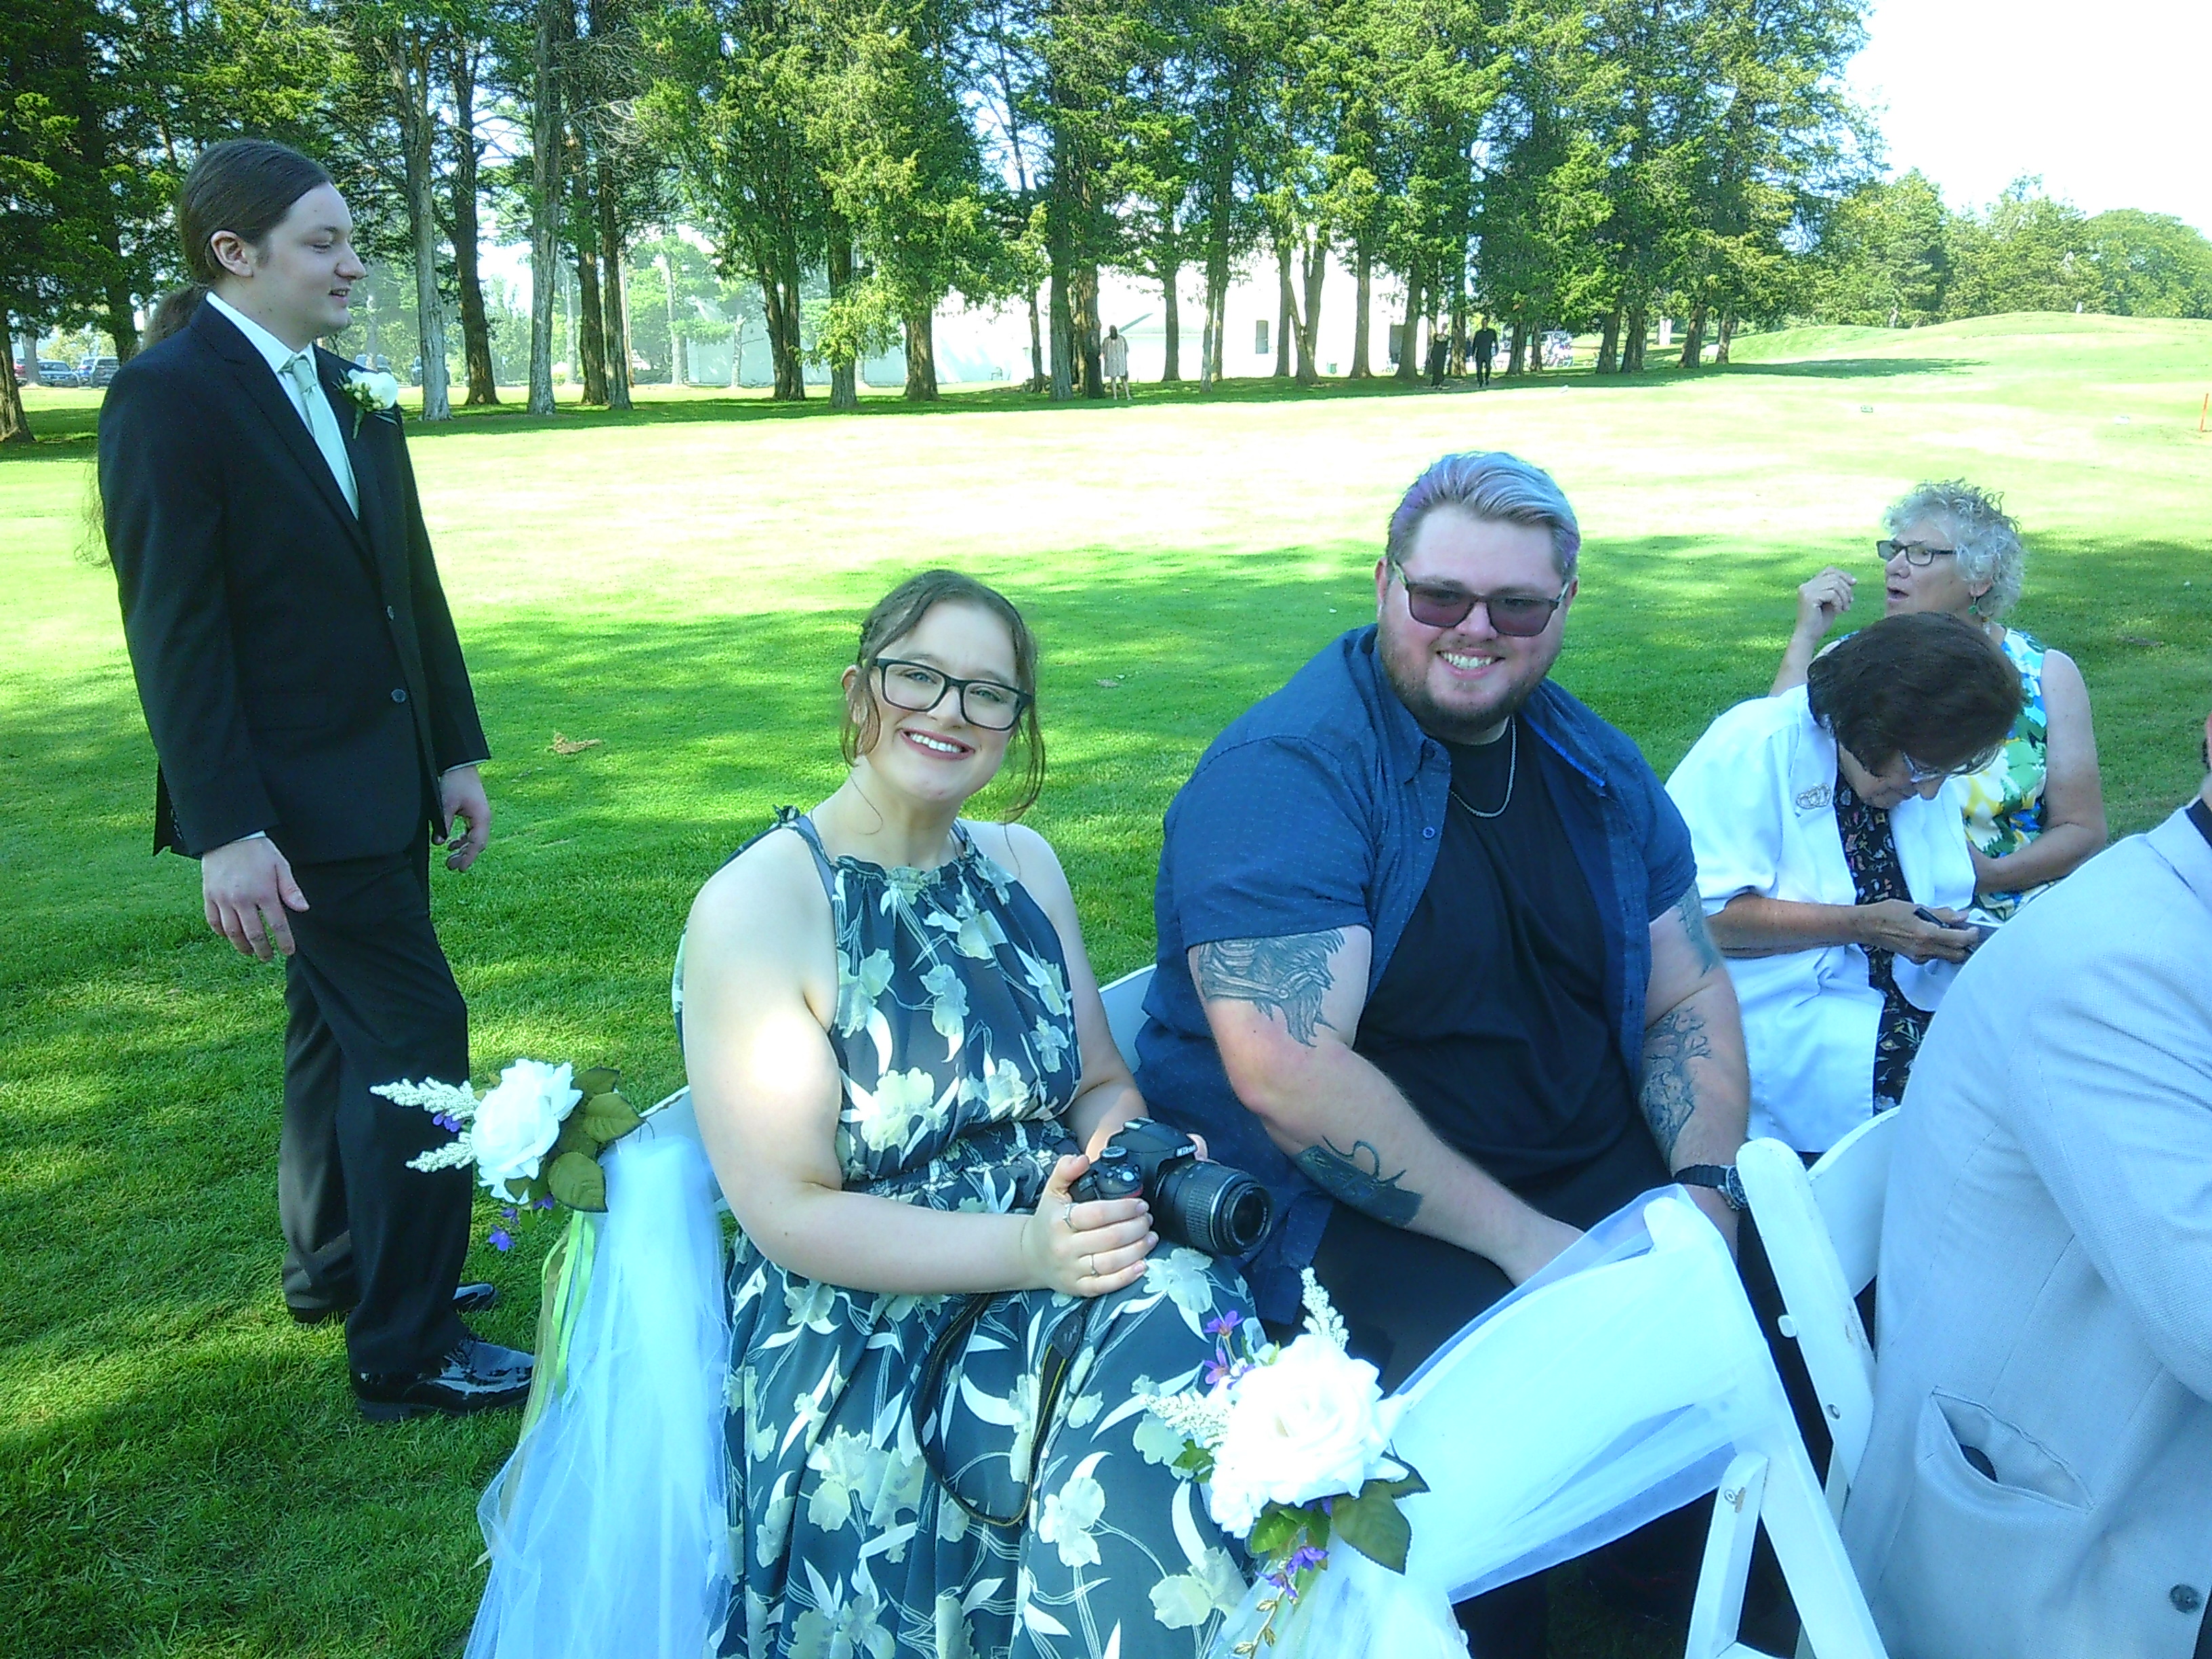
(2038, 1484)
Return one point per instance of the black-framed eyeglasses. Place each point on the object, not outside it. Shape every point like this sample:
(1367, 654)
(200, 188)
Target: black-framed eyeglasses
(1918, 555)
(917, 688)
(1521, 616)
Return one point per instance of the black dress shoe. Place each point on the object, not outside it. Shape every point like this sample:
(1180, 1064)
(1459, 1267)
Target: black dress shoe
(475, 1376)
(467, 1299)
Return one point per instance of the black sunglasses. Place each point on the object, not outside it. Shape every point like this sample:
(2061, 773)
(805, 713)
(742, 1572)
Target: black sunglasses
(917, 688)
(1520, 616)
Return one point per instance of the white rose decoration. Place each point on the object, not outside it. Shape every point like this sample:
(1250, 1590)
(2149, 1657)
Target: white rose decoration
(1309, 1425)
(377, 390)
(517, 1123)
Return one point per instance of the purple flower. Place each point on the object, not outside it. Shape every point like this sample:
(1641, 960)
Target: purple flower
(1226, 1323)
(508, 1210)
(500, 1239)
(1306, 1556)
(544, 1203)
(1215, 1372)
(446, 1122)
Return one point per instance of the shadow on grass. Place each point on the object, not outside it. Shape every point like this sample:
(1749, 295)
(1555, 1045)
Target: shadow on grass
(67, 433)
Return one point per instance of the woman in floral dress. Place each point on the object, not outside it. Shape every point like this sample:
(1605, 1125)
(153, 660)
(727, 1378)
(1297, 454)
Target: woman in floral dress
(2036, 810)
(937, 1439)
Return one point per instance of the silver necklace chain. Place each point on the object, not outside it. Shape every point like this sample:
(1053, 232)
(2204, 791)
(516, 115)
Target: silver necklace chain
(1512, 766)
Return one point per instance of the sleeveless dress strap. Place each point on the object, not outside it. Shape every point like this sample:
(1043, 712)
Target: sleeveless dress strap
(790, 817)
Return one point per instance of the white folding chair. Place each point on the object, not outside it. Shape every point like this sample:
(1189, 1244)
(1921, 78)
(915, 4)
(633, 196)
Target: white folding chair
(1125, 1009)
(1822, 1231)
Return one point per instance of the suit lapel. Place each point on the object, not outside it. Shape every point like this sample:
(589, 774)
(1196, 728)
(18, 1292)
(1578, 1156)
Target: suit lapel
(258, 382)
(361, 445)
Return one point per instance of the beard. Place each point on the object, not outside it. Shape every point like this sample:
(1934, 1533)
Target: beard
(1406, 664)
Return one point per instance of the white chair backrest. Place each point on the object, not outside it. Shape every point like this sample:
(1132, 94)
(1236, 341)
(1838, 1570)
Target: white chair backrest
(1125, 1009)
(1822, 1230)
(1848, 1184)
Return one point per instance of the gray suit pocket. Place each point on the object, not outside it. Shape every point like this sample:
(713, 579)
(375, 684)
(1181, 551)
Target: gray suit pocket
(1991, 1534)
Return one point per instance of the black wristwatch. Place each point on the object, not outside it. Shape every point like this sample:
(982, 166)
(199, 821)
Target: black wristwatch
(1721, 1177)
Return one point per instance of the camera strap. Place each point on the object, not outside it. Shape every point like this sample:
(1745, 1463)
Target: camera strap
(1062, 1344)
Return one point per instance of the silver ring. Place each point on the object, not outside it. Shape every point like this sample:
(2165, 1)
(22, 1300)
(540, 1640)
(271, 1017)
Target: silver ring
(1067, 1215)
(1091, 1266)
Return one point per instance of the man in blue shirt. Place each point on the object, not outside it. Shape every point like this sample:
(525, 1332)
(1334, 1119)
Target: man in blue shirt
(1433, 964)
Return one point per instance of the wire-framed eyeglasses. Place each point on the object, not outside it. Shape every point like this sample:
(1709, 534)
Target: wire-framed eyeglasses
(917, 688)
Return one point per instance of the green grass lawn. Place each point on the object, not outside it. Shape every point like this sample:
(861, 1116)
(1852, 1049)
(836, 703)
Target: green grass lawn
(181, 1469)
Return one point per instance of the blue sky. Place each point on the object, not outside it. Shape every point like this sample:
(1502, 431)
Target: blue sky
(2112, 104)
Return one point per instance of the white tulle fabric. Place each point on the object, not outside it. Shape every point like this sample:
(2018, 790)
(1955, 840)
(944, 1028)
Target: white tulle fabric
(1612, 1388)
(609, 1528)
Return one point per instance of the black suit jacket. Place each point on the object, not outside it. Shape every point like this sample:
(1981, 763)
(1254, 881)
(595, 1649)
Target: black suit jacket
(297, 665)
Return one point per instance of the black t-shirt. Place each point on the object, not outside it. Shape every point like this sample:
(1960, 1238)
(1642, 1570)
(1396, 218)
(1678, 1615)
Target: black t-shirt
(2200, 816)
(1492, 1015)
(1486, 342)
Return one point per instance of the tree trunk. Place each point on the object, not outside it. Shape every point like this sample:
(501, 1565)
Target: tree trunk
(476, 328)
(1171, 321)
(14, 425)
(1693, 342)
(1516, 358)
(1216, 301)
(1728, 335)
(1536, 348)
(1286, 309)
(1317, 270)
(1063, 320)
(122, 322)
(679, 372)
(1083, 318)
(1409, 331)
(844, 372)
(546, 213)
(1037, 347)
(407, 65)
(1365, 270)
(1608, 344)
(614, 300)
(1458, 359)
(591, 327)
(921, 357)
(1638, 323)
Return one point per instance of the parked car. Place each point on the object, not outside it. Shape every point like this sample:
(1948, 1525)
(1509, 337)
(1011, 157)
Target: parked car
(52, 371)
(97, 371)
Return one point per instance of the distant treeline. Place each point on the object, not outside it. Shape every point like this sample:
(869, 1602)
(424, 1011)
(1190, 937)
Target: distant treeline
(1585, 164)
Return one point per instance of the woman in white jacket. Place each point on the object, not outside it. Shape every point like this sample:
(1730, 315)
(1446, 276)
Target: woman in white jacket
(1827, 826)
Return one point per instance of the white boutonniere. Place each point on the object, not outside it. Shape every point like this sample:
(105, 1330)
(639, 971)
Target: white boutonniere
(372, 391)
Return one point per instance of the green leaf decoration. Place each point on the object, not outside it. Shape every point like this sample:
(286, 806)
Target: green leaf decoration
(530, 1192)
(605, 1117)
(1404, 1487)
(578, 1181)
(574, 1138)
(1371, 1523)
(1194, 1461)
(1276, 1531)
(599, 1080)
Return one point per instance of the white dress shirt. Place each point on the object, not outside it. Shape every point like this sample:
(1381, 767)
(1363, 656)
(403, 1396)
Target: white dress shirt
(322, 423)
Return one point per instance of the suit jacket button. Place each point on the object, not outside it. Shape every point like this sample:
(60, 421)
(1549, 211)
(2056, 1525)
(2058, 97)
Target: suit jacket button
(399, 694)
(390, 615)
(2184, 1598)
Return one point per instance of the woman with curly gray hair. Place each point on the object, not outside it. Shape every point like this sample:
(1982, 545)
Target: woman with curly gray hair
(2038, 809)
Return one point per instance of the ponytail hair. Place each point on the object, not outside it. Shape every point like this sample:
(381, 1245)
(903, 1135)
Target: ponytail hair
(245, 186)
(175, 309)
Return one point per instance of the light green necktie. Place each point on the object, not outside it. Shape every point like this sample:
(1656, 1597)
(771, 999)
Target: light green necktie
(323, 423)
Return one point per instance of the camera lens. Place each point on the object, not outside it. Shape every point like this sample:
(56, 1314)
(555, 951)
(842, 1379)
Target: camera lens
(1213, 1208)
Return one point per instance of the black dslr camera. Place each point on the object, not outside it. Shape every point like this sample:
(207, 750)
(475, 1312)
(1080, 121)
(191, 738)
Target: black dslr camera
(1208, 1207)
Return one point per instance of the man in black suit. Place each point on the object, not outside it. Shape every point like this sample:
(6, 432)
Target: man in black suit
(316, 732)
(1485, 349)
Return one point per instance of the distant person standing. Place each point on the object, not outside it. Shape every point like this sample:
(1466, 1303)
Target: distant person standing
(1113, 356)
(1486, 347)
(1439, 361)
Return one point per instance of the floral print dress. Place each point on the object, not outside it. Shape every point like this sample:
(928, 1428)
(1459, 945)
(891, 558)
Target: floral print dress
(2004, 799)
(955, 1039)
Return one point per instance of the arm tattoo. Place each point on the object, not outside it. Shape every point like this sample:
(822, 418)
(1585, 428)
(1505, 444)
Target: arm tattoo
(1356, 1178)
(1692, 909)
(1669, 1096)
(1290, 975)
